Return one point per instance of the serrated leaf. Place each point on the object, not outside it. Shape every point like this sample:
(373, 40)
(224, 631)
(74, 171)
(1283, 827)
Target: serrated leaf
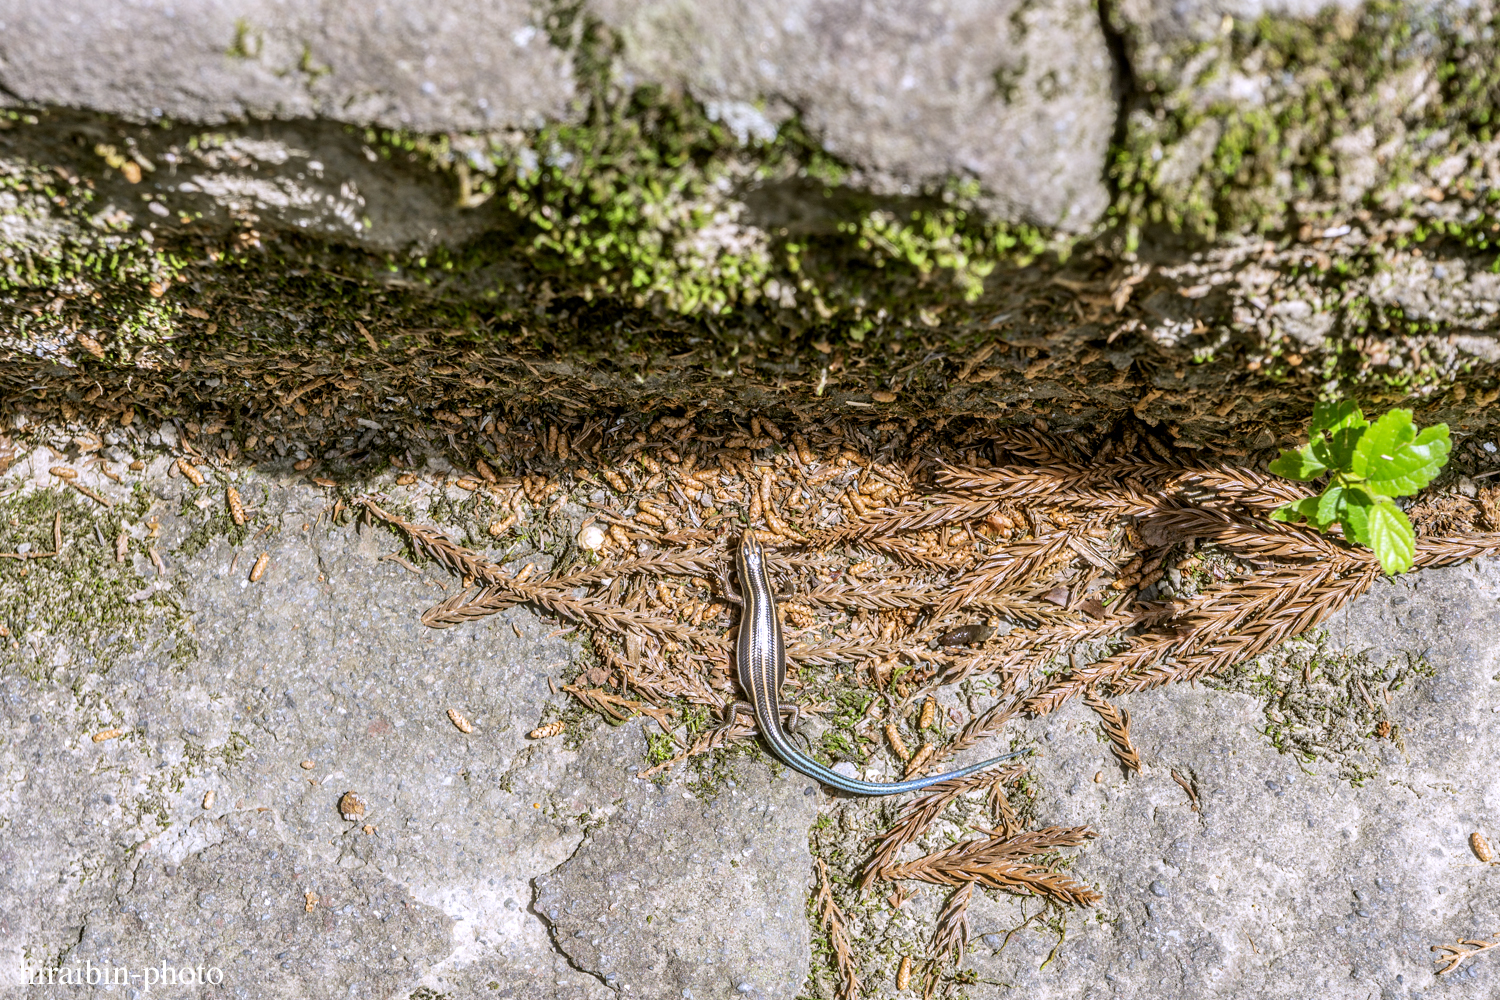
(1354, 514)
(1330, 508)
(1337, 450)
(1293, 513)
(1300, 465)
(1380, 441)
(1337, 416)
(1389, 533)
(1412, 466)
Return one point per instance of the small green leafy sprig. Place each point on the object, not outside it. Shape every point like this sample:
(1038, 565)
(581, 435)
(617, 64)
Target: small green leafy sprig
(1366, 465)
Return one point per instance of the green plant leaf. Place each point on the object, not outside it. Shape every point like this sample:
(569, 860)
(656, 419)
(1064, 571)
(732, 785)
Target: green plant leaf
(1389, 533)
(1354, 514)
(1292, 513)
(1330, 508)
(1337, 450)
(1335, 416)
(1300, 465)
(1412, 466)
(1381, 440)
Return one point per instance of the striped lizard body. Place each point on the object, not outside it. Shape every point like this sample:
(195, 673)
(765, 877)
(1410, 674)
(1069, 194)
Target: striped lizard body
(760, 655)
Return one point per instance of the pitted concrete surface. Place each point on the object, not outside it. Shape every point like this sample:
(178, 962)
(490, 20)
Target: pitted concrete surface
(215, 831)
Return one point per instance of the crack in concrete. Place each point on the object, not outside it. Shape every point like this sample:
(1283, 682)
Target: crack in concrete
(552, 933)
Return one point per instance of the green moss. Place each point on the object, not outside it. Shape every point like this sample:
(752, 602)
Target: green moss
(79, 601)
(641, 201)
(1324, 703)
(1209, 166)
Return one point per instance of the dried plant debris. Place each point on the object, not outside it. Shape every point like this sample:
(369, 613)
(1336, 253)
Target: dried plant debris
(1451, 956)
(1007, 863)
(1115, 723)
(1135, 567)
(831, 919)
(1032, 567)
(951, 938)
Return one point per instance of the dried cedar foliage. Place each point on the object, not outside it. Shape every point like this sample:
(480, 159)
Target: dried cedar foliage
(835, 924)
(950, 938)
(1116, 725)
(1016, 524)
(887, 540)
(1005, 863)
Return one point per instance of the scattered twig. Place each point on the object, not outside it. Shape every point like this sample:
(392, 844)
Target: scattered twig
(1456, 954)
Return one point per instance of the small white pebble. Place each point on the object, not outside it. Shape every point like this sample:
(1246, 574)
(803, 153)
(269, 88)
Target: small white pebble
(591, 538)
(1489, 446)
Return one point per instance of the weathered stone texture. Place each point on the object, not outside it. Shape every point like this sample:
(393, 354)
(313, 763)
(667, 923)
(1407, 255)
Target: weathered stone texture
(1016, 95)
(435, 67)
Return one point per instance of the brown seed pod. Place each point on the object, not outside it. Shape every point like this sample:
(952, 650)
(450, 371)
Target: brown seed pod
(90, 344)
(920, 759)
(616, 480)
(799, 615)
(673, 423)
(305, 464)
(63, 472)
(1481, 847)
(467, 484)
(459, 721)
(929, 713)
(406, 479)
(107, 734)
(544, 732)
(259, 569)
(893, 736)
(903, 974)
(236, 508)
(308, 765)
(208, 799)
(190, 470)
(351, 806)
(485, 472)
(805, 454)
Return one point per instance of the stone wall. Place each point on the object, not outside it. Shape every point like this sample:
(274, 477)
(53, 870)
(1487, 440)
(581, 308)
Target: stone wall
(1205, 216)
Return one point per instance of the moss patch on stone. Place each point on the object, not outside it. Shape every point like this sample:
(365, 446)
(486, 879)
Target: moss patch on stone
(74, 614)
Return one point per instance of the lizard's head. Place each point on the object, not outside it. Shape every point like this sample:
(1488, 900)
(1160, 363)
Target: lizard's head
(751, 553)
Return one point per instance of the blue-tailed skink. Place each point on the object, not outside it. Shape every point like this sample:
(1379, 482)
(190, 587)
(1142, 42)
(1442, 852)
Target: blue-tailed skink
(761, 657)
